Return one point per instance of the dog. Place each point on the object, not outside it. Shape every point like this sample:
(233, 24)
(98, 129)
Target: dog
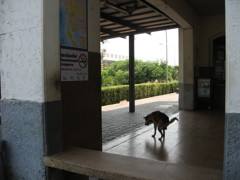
(160, 121)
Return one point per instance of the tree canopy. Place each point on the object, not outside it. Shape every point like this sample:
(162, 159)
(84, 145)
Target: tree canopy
(117, 73)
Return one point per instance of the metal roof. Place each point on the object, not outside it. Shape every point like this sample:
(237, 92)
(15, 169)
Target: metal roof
(120, 18)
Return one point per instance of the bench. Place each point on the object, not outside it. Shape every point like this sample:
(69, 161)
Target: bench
(117, 167)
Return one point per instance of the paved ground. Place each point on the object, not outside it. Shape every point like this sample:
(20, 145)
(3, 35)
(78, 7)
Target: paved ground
(197, 139)
(117, 121)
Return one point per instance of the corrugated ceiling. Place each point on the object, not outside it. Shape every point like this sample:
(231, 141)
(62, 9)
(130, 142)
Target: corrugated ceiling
(120, 18)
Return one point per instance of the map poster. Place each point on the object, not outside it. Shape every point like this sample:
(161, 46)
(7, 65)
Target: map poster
(73, 23)
(74, 65)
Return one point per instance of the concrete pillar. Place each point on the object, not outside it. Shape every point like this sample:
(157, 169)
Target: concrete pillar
(232, 127)
(81, 100)
(131, 73)
(30, 84)
(186, 70)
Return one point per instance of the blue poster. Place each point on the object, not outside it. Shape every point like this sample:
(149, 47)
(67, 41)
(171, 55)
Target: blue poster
(73, 23)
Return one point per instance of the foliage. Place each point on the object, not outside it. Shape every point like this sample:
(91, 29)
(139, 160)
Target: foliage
(173, 73)
(117, 73)
(115, 94)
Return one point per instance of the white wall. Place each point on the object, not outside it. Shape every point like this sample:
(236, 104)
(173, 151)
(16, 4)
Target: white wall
(30, 63)
(21, 60)
(233, 57)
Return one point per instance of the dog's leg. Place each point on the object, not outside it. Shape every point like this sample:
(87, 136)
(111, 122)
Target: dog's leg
(162, 135)
(160, 131)
(155, 128)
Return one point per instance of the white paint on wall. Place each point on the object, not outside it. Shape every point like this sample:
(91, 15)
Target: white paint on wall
(51, 50)
(232, 56)
(21, 65)
(19, 15)
(30, 58)
(94, 26)
(21, 57)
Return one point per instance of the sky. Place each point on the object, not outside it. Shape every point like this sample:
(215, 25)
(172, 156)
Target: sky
(148, 47)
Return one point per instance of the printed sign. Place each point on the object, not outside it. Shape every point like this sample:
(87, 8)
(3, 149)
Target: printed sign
(74, 65)
(204, 88)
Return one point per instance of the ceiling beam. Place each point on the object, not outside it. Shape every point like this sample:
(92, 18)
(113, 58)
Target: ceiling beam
(127, 15)
(155, 9)
(121, 22)
(160, 18)
(107, 31)
(146, 31)
(156, 21)
(115, 7)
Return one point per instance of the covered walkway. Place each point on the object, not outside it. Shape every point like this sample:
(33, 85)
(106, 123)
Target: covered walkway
(118, 121)
(196, 139)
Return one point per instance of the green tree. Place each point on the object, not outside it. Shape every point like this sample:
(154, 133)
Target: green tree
(106, 79)
(117, 73)
(121, 78)
(174, 72)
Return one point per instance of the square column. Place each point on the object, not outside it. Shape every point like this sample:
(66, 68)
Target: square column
(186, 70)
(232, 124)
(131, 74)
(30, 85)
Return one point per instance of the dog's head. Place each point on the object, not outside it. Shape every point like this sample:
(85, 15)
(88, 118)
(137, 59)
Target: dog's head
(148, 119)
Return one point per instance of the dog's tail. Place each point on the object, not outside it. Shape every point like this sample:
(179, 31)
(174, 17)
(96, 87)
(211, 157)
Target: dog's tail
(172, 120)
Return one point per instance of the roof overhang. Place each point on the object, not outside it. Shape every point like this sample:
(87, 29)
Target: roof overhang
(120, 18)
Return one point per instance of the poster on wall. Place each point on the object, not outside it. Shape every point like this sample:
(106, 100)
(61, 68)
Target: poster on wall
(74, 65)
(73, 40)
(73, 23)
(204, 88)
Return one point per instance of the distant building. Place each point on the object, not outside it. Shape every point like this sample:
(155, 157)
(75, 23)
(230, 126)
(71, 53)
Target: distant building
(114, 57)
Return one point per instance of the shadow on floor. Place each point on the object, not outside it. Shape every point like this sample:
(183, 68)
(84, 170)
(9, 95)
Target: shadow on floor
(196, 139)
(118, 122)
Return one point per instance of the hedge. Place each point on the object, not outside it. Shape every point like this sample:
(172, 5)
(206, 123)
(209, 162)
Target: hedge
(115, 94)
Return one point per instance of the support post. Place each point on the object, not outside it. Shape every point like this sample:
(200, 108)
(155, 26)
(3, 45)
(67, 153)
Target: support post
(30, 91)
(131, 74)
(186, 72)
(232, 105)
(166, 56)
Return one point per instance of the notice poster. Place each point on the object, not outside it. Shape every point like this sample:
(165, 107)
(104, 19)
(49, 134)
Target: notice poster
(73, 23)
(73, 40)
(204, 88)
(74, 65)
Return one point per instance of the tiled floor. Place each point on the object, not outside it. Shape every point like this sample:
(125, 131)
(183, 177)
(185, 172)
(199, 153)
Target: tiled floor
(117, 121)
(196, 139)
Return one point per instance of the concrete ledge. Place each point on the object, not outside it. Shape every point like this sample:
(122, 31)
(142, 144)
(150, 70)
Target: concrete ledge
(116, 167)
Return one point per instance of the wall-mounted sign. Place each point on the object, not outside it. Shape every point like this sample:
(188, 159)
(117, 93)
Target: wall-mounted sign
(73, 23)
(204, 88)
(74, 65)
(73, 40)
